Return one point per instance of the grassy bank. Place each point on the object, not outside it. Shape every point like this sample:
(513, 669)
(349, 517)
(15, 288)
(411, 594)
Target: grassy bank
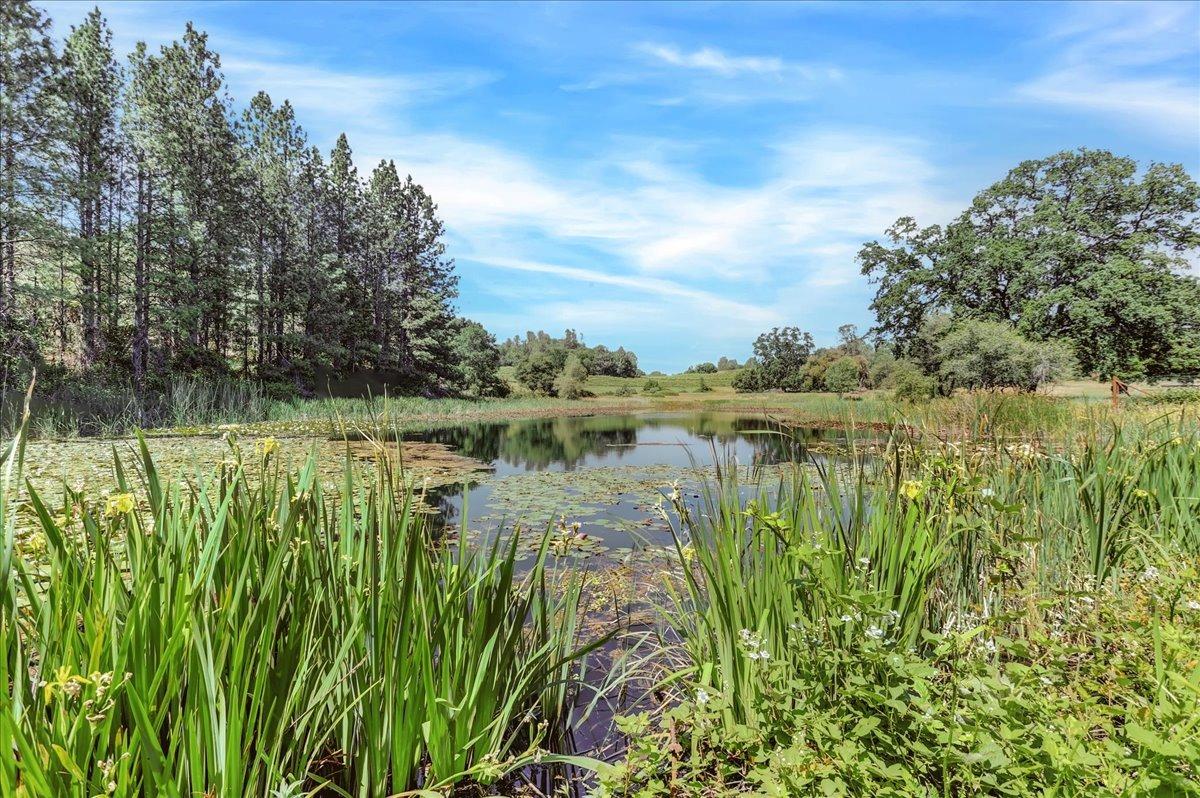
(190, 406)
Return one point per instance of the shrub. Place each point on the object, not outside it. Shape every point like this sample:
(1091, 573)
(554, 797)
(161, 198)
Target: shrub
(703, 387)
(478, 362)
(570, 383)
(537, 370)
(909, 383)
(989, 354)
(750, 380)
(844, 375)
(880, 367)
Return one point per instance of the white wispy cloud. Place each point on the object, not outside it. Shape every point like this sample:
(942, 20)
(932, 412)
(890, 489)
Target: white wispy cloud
(1135, 62)
(648, 287)
(335, 95)
(710, 59)
(828, 190)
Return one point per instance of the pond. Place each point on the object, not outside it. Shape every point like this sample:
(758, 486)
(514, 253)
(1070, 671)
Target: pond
(609, 474)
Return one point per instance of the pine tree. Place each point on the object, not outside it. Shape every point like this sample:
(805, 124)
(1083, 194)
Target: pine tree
(383, 250)
(29, 140)
(90, 89)
(343, 205)
(180, 119)
(427, 287)
(243, 245)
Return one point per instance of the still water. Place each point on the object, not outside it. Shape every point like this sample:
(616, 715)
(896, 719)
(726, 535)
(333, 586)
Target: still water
(608, 473)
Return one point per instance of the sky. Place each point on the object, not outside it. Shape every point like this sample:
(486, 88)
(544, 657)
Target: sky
(677, 178)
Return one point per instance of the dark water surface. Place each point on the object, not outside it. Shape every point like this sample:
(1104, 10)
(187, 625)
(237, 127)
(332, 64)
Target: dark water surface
(608, 473)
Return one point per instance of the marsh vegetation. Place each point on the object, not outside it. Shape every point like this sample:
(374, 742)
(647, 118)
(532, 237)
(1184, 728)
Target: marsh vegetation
(698, 604)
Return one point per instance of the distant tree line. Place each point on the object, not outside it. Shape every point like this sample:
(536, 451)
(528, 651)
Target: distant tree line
(708, 367)
(560, 366)
(1073, 264)
(148, 228)
(944, 356)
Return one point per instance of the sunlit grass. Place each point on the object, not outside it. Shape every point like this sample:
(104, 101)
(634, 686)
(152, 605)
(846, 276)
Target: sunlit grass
(260, 637)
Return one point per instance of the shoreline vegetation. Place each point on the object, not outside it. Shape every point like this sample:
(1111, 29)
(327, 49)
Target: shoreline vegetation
(607, 396)
(1010, 610)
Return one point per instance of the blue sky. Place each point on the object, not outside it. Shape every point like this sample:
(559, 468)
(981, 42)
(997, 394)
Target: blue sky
(677, 178)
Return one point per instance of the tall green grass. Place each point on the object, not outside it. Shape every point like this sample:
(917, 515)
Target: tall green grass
(954, 616)
(253, 636)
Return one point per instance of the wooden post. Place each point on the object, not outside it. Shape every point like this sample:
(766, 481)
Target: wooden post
(1118, 388)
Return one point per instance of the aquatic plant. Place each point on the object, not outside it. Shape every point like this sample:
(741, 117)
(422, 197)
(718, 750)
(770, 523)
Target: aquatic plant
(260, 636)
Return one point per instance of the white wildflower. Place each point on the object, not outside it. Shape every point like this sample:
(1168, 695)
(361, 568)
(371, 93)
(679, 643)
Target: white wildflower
(874, 632)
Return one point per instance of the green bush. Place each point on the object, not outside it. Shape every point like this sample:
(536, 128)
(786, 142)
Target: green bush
(909, 384)
(750, 380)
(538, 368)
(987, 354)
(570, 384)
(844, 375)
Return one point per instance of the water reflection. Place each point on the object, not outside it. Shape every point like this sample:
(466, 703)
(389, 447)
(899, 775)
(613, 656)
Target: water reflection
(604, 471)
(572, 442)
